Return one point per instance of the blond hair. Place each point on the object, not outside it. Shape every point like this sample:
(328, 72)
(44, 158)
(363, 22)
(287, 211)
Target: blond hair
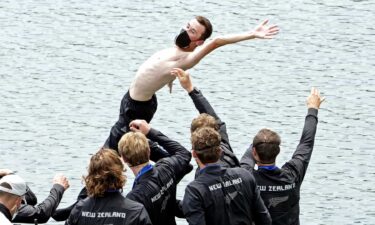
(134, 148)
(203, 120)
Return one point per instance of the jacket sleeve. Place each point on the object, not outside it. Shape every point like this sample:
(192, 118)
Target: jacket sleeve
(74, 214)
(156, 151)
(260, 212)
(43, 211)
(203, 106)
(247, 161)
(30, 197)
(180, 156)
(143, 218)
(192, 207)
(301, 157)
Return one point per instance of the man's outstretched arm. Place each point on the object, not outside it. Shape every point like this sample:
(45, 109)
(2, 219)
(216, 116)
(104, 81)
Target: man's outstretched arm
(302, 155)
(262, 31)
(43, 211)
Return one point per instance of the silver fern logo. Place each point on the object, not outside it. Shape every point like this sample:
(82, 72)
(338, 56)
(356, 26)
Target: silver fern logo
(277, 200)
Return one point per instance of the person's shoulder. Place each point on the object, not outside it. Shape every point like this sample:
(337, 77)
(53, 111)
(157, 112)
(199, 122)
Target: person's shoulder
(241, 172)
(132, 204)
(166, 166)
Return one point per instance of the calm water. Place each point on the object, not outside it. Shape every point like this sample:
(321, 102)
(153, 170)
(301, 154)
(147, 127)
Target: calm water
(64, 66)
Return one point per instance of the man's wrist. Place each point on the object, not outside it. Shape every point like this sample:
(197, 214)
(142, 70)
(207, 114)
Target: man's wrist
(191, 89)
(194, 90)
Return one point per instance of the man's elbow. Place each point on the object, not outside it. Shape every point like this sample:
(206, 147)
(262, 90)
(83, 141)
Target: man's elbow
(217, 42)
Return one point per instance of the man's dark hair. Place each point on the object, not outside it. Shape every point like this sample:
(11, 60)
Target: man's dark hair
(207, 24)
(206, 144)
(267, 145)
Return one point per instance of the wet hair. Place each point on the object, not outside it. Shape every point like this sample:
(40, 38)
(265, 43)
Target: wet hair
(267, 145)
(206, 144)
(105, 172)
(134, 148)
(203, 120)
(207, 25)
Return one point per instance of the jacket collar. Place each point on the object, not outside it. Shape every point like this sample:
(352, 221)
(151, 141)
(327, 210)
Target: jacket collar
(5, 211)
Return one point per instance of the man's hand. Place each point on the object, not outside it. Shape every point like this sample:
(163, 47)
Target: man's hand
(264, 31)
(314, 100)
(62, 180)
(4, 172)
(184, 78)
(140, 125)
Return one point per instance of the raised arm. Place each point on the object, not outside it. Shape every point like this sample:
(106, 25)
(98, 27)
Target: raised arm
(43, 211)
(262, 31)
(247, 161)
(302, 155)
(180, 156)
(203, 106)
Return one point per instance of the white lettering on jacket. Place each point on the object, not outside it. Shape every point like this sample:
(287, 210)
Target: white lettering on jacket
(162, 190)
(104, 214)
(285, 187)
(225, 184)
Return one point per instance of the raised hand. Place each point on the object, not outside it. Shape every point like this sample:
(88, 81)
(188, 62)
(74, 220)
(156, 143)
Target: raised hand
(184, 78)
(140, 125)
(265, 31)
(62, 180)
(314, 100)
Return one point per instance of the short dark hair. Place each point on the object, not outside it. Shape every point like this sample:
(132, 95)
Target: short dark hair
(203, 120)
(206, 143)
(267, 145)
(207, 24)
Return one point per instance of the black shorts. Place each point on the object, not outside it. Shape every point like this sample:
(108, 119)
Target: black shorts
(130, 109)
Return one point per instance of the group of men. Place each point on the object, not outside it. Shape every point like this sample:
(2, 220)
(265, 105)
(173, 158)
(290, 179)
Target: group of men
(225, 190)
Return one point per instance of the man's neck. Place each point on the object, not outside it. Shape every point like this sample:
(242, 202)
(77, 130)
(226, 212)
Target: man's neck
(138, 168)
(202, 166)
(266, 164)
(190, 49)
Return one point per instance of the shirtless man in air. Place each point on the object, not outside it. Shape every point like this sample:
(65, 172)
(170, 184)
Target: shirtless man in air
(190, 47)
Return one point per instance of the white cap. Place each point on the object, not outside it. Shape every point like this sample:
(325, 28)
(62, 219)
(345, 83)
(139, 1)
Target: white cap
(16, 183)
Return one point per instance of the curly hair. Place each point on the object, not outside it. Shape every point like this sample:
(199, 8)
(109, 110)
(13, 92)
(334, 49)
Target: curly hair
(105, 172)
(206, 144)
(203, 120)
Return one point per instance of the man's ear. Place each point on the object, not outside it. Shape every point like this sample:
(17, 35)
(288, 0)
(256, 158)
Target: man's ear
(194, 154)
(255, 154)
(199, 42)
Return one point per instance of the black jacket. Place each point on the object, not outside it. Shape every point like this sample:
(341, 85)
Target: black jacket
(156, 189)
(4, 210)
(226, 196)
(228, 158)
(112, 208)
(280, 188)
(43, 211)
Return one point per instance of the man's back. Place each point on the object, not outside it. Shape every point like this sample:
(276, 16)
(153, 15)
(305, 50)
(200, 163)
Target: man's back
(112, 208)
(280, 191)
(156, 190)
(224, 196)
(280, 188)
